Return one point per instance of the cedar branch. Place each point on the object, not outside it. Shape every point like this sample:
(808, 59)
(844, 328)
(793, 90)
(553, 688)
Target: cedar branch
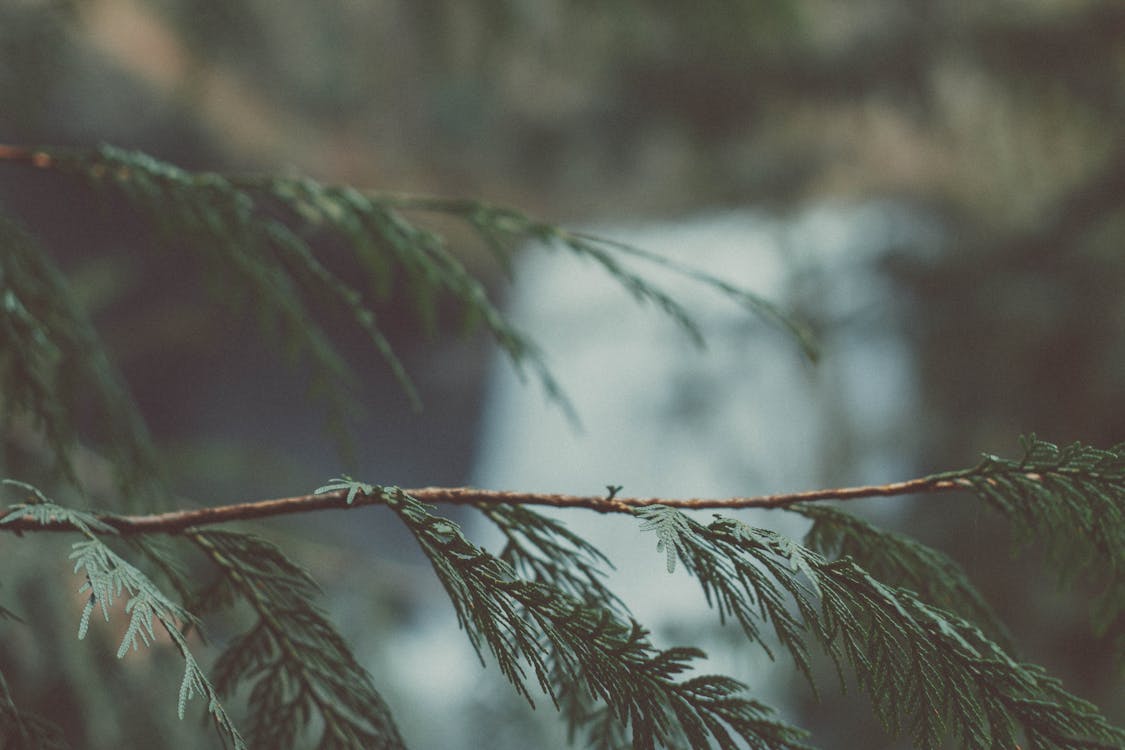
(176, 522)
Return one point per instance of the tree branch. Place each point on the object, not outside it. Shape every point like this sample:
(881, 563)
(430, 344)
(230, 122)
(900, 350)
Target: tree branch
(35, 157)
(176, 522)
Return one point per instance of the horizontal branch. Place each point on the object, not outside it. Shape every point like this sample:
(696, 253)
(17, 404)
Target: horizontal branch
(177, 521)
(22, 154)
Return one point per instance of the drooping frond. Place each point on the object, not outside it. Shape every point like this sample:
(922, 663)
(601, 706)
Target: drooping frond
(257, 234)
(53, 367)
(41, 510)
(504, 229)
(1071, 502)
(253, 254)
(302, 673)
(345, 482)
(753, 303)
(753, 587)
(527, 625)
(929, 673)
(900, 561)
(387, 242)
(541, 549)
(110, 577)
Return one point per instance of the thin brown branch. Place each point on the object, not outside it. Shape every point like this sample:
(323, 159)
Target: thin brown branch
(35, 157)
(176, 522)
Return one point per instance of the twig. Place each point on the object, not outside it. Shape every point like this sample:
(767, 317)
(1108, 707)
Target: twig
(35, 157)
(176, 522)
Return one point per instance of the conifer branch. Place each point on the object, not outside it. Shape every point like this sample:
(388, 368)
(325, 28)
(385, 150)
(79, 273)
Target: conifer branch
(532, 625)
(175, 522)
(543, 550)
(1070, 502)
(539, 607)
(109, 576)
(262, 229)
(499, 226)
(1071, 499)
(902, 562)
(54, 367)
(302, 672)
(928, 673)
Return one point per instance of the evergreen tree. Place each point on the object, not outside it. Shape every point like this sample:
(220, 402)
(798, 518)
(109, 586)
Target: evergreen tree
(898, 619)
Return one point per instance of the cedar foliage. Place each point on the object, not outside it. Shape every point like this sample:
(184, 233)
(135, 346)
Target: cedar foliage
(897, 618)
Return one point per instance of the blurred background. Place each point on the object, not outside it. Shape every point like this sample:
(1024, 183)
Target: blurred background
(936, 186)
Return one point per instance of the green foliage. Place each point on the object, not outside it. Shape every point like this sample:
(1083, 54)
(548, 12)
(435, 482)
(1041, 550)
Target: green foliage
(878, 603)
(1069, 500)
(928, 672)
(53, 368)
(530, 625)
(108, 577)
(543, 550)
(257, 234)
(301, 671)
(253, 256)
(345, 482)
(900, 561)
(503, 229)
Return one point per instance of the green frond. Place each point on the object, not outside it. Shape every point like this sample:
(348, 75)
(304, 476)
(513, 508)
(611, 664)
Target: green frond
(174, 572)
(301, 672)
(503, 229)
(1071, 502)
(542, 549)
(900, 561)
(346, 483)
(385, 240)
(259, 228)
(743, 577)
(255, 236)
(536, 630)
(108, 577)
(929, 674)
(671, 531)
(53, 367)
(753, 303)
(253, 255)
(44, 512)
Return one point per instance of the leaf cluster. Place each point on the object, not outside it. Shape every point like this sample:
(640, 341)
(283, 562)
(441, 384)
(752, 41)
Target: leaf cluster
(300, 670)
(535, 629)
(110, 577)
(928, 672)
(261, 241)
(503, 228)
(1070, 501)
(902, 562)
(542, 549)
(878, 603)
(54, 371)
